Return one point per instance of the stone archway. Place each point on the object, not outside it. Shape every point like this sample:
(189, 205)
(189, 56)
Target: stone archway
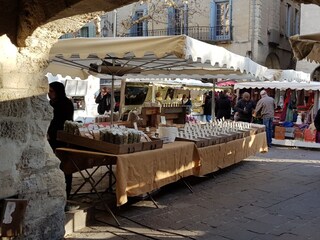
(28, 168)
(272, 61)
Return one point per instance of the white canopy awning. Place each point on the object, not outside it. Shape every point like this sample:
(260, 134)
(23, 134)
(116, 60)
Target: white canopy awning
(168, 56)
(279, 85)
(157, 57)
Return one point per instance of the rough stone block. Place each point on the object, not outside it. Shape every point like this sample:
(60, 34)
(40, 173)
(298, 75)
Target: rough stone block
(15, 130)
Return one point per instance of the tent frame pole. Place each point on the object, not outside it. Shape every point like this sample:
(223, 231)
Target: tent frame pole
(213, 102)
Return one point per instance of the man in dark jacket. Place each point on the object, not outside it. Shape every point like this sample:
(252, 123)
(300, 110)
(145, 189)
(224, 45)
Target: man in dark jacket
(244, 108)
(104, 101)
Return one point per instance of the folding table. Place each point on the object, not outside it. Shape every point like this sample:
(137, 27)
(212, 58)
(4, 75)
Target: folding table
(74, 160)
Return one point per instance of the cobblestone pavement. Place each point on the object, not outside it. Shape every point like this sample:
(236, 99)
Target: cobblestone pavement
(275, 195)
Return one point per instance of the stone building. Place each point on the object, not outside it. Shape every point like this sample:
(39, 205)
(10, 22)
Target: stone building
(309, 13)
(254, 28)
(29, 170)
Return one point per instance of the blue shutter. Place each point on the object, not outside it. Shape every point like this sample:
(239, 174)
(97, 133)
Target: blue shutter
(186, 19)
(145, 22)
(133, 29)
(92, 30)
(171, 21)
(212, 20)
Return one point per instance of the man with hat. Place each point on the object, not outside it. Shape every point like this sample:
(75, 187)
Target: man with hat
(265, 107)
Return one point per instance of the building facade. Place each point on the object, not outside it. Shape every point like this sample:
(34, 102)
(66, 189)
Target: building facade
(254, 28)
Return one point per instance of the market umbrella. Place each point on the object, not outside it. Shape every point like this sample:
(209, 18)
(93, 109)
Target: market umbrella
(308, 1)
(306, 47)
(166, 55)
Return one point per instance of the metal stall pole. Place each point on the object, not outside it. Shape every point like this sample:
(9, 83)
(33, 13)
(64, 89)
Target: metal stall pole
(213, 102)
(112, 94)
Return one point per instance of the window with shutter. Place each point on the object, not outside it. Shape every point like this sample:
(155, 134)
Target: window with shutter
(178, 19)
(220, 20)
(84, 32)
(139, 24)
(145, 22)
(171, 21)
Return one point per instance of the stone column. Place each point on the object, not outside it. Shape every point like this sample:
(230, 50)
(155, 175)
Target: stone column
(29, 169)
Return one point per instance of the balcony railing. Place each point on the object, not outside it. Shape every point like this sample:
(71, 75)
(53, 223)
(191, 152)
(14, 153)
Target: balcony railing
(218, 33)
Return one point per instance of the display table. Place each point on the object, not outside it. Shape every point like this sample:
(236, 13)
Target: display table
(140, 172)
(215, 157)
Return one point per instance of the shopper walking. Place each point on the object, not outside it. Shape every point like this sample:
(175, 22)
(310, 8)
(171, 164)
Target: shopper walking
(62, 111)
(265, 107)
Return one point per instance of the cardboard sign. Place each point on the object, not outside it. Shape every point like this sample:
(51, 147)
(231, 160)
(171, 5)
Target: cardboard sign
(163, 120)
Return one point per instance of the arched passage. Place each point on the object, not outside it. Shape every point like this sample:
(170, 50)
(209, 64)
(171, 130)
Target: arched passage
(272, 61)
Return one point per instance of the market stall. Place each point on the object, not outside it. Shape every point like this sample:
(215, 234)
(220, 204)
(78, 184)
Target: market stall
(296, 105)
(142, 166)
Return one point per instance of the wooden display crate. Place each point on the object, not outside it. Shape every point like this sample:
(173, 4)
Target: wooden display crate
(200, 142)
(213, 140)
(98, 145)
(244, 133)
(257, 128)
(227, 137)
(279, 133)
(154, 144)
(298, 134)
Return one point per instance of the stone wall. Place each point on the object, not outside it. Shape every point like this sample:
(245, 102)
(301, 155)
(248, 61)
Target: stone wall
(29, 170)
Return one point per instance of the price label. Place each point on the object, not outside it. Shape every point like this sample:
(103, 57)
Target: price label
(163, 120)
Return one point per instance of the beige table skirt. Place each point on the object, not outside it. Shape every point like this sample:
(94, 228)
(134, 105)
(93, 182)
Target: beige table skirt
(213, 158)
(142, 172)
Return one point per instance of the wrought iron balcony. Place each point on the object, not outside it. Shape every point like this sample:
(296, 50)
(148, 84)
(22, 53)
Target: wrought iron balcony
(215, 34)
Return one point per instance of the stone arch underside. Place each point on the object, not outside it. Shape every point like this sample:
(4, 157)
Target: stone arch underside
(20, 18)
